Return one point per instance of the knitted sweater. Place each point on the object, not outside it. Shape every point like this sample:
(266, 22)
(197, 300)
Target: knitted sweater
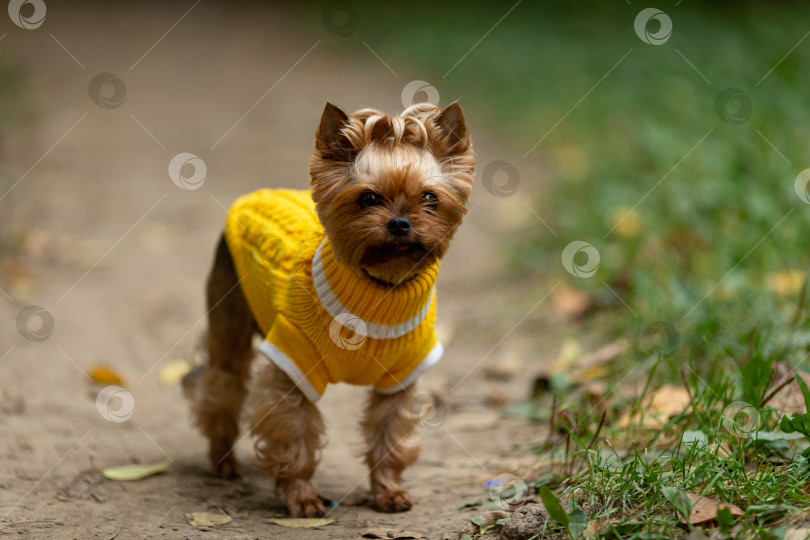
(323, 321)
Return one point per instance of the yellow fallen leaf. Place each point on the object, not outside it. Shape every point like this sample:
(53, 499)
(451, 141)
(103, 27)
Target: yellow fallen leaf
(106, 375)
(570, 352)
(302, 523)
(136, 471)
(208, 519)
(625, 221)
(786, 282)
(591, 373)
(173, 371)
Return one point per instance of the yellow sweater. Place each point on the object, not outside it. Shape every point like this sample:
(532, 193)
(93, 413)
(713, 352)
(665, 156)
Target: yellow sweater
(323, 321)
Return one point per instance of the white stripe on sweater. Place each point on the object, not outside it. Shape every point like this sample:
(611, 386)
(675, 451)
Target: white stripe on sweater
(337, 310)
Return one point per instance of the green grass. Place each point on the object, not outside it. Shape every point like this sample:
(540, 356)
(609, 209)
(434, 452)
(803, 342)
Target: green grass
(695, 218)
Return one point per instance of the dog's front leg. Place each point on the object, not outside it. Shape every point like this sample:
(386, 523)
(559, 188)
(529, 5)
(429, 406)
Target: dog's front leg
(392, 445)
(288, 428)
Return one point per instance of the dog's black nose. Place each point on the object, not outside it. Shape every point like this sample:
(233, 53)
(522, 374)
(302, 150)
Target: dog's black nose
(399, 226)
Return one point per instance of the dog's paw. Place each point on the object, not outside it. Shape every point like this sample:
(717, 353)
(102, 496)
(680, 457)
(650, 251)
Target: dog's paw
(309, 507)
(226, 467)
(302, 500)
(392, 500)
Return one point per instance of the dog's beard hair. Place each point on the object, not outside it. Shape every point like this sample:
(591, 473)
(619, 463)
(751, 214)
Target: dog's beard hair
(399, 158)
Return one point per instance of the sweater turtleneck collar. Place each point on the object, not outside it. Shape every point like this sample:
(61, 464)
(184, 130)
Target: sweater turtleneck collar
(385, 312)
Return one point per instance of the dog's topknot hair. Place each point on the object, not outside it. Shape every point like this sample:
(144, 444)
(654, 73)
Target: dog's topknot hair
(412, 126)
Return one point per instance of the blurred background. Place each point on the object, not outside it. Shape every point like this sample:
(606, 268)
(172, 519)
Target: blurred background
(640, 178)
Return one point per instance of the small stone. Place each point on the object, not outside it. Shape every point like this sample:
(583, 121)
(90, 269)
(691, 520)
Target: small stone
(526, 522)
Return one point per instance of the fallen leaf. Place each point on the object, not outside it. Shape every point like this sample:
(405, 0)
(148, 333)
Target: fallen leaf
(705, 509)
(383, 532)
(786, 282)
(173, 371)
(667, 402)
(625, 221)
(570, 352)
(591, 373)
(605, 353)
(656, 411)
(302, 523)
(208, 519)
(569, 303)
(106, 375)
(599, 525)
(135, 471)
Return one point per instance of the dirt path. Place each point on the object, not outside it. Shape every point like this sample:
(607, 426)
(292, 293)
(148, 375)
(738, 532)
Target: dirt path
(117, 255)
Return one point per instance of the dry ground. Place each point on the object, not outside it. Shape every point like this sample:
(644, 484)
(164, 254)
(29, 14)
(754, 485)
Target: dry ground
(117, 254)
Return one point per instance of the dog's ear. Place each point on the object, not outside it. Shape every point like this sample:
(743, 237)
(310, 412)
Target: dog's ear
(451, 122)
(328, 139)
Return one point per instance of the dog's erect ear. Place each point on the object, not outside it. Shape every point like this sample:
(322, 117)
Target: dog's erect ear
(328, 137)
(451, 122)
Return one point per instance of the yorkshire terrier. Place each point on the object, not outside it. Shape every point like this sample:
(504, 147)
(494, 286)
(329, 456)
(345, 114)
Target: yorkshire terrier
(340, 283)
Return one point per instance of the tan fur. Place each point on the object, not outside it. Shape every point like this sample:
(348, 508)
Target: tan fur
(288, 430)
(400, 159)
(392, 445)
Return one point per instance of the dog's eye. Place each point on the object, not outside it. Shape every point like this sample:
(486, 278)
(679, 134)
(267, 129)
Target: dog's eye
(369, 198)
(431, 200)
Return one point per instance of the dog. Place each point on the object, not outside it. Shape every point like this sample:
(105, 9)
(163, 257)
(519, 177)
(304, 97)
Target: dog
(340, 283)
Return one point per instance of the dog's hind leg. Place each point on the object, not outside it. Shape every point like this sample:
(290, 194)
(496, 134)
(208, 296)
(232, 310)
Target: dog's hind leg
(218, 390)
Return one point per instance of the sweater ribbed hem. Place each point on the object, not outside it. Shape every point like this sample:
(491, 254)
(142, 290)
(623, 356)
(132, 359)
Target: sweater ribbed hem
(430, 360)
(291, 369)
